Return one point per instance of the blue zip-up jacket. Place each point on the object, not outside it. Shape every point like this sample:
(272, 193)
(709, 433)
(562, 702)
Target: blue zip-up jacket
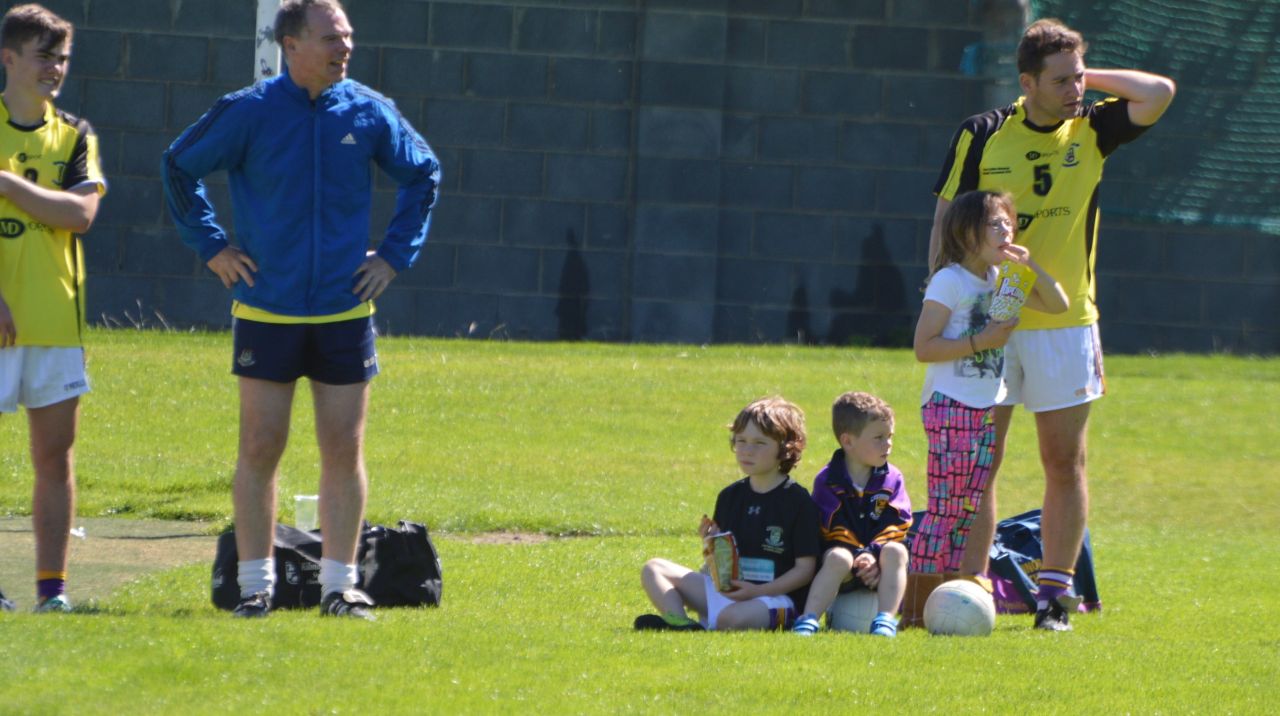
(301, 178)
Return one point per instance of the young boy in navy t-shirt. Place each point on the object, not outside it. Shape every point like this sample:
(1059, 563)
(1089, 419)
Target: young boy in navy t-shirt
(774, 524)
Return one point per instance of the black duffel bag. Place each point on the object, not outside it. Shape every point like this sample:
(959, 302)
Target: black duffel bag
(398, 567)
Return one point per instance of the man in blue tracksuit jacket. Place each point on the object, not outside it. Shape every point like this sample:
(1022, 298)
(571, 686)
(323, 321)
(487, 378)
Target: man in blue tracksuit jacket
(298, 150)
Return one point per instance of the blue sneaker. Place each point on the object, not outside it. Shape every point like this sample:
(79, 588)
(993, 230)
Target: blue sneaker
(54, 605)
(6, 605)
(884, 625)
(806, 625)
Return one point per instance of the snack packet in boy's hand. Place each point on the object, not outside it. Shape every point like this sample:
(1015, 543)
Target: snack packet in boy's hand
(721, 552)
(1013, 285)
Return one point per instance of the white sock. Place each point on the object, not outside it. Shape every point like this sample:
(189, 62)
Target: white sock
(256, 575)
(336, 576)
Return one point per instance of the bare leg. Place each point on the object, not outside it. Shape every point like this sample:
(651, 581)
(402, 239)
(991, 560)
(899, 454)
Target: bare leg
(983, 530)
(836, 564)
(264, 431)
(53, 503)
(893, 576)
(1063, 441)
(671, 586)
(340, 418)
(738, 616)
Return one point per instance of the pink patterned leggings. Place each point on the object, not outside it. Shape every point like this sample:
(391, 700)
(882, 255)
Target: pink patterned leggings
(961, 449)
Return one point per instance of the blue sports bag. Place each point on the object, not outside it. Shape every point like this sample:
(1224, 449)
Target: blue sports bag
(1015, 562)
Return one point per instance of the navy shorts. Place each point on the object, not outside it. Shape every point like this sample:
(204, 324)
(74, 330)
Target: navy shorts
(339, 353)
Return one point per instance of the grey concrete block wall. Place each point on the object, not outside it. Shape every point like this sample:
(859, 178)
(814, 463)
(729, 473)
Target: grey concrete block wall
(647, 170)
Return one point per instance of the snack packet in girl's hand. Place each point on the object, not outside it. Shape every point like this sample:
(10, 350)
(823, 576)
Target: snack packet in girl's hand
(1013, 285)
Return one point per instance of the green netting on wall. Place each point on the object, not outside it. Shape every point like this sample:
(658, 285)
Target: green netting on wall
(1219, 145)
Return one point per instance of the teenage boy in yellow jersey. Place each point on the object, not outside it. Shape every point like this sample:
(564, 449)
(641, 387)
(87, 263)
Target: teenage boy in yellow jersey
(1047, 150)
(50, 185)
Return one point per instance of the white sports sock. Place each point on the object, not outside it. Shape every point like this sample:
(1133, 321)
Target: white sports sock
(256, 575)
(336, 576)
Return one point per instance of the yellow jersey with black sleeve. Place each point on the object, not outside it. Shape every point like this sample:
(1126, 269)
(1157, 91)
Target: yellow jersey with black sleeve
(249, 313)
(42, 267)
(1053, 174)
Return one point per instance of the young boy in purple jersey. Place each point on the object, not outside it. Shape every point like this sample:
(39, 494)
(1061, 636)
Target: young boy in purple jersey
(865, 514)
(774, 523)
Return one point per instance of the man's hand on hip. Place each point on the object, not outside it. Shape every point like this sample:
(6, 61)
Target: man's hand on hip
(375, 275)
(231, 265)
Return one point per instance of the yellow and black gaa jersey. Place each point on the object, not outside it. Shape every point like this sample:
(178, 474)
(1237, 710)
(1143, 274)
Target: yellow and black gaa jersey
(42, 267)
(1053, 174)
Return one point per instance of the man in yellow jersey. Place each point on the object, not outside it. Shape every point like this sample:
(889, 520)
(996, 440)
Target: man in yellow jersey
(50, 185)
(298, 150)
(1048, 149)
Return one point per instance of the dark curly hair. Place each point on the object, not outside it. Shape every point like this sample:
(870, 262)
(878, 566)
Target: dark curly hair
(781, 420)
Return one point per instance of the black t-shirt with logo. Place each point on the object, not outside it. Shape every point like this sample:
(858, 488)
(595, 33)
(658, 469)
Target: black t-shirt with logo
(772, 529)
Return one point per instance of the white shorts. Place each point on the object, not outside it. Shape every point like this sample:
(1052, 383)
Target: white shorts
(1054, 368)
(717, 602)
(38, 376)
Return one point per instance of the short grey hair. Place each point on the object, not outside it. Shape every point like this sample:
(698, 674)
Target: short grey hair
(291, 18)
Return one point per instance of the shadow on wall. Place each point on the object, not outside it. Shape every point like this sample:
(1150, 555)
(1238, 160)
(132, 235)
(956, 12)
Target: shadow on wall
(872, 312)
(799, 317)
(575, 286)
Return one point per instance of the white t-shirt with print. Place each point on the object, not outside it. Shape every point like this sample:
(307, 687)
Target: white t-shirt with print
(977, 380)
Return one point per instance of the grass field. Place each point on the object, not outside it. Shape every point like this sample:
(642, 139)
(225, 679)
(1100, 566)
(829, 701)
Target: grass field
(613, 451)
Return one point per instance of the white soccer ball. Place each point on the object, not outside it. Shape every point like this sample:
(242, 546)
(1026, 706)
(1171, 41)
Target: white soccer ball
(853, 611)
(960, 608)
